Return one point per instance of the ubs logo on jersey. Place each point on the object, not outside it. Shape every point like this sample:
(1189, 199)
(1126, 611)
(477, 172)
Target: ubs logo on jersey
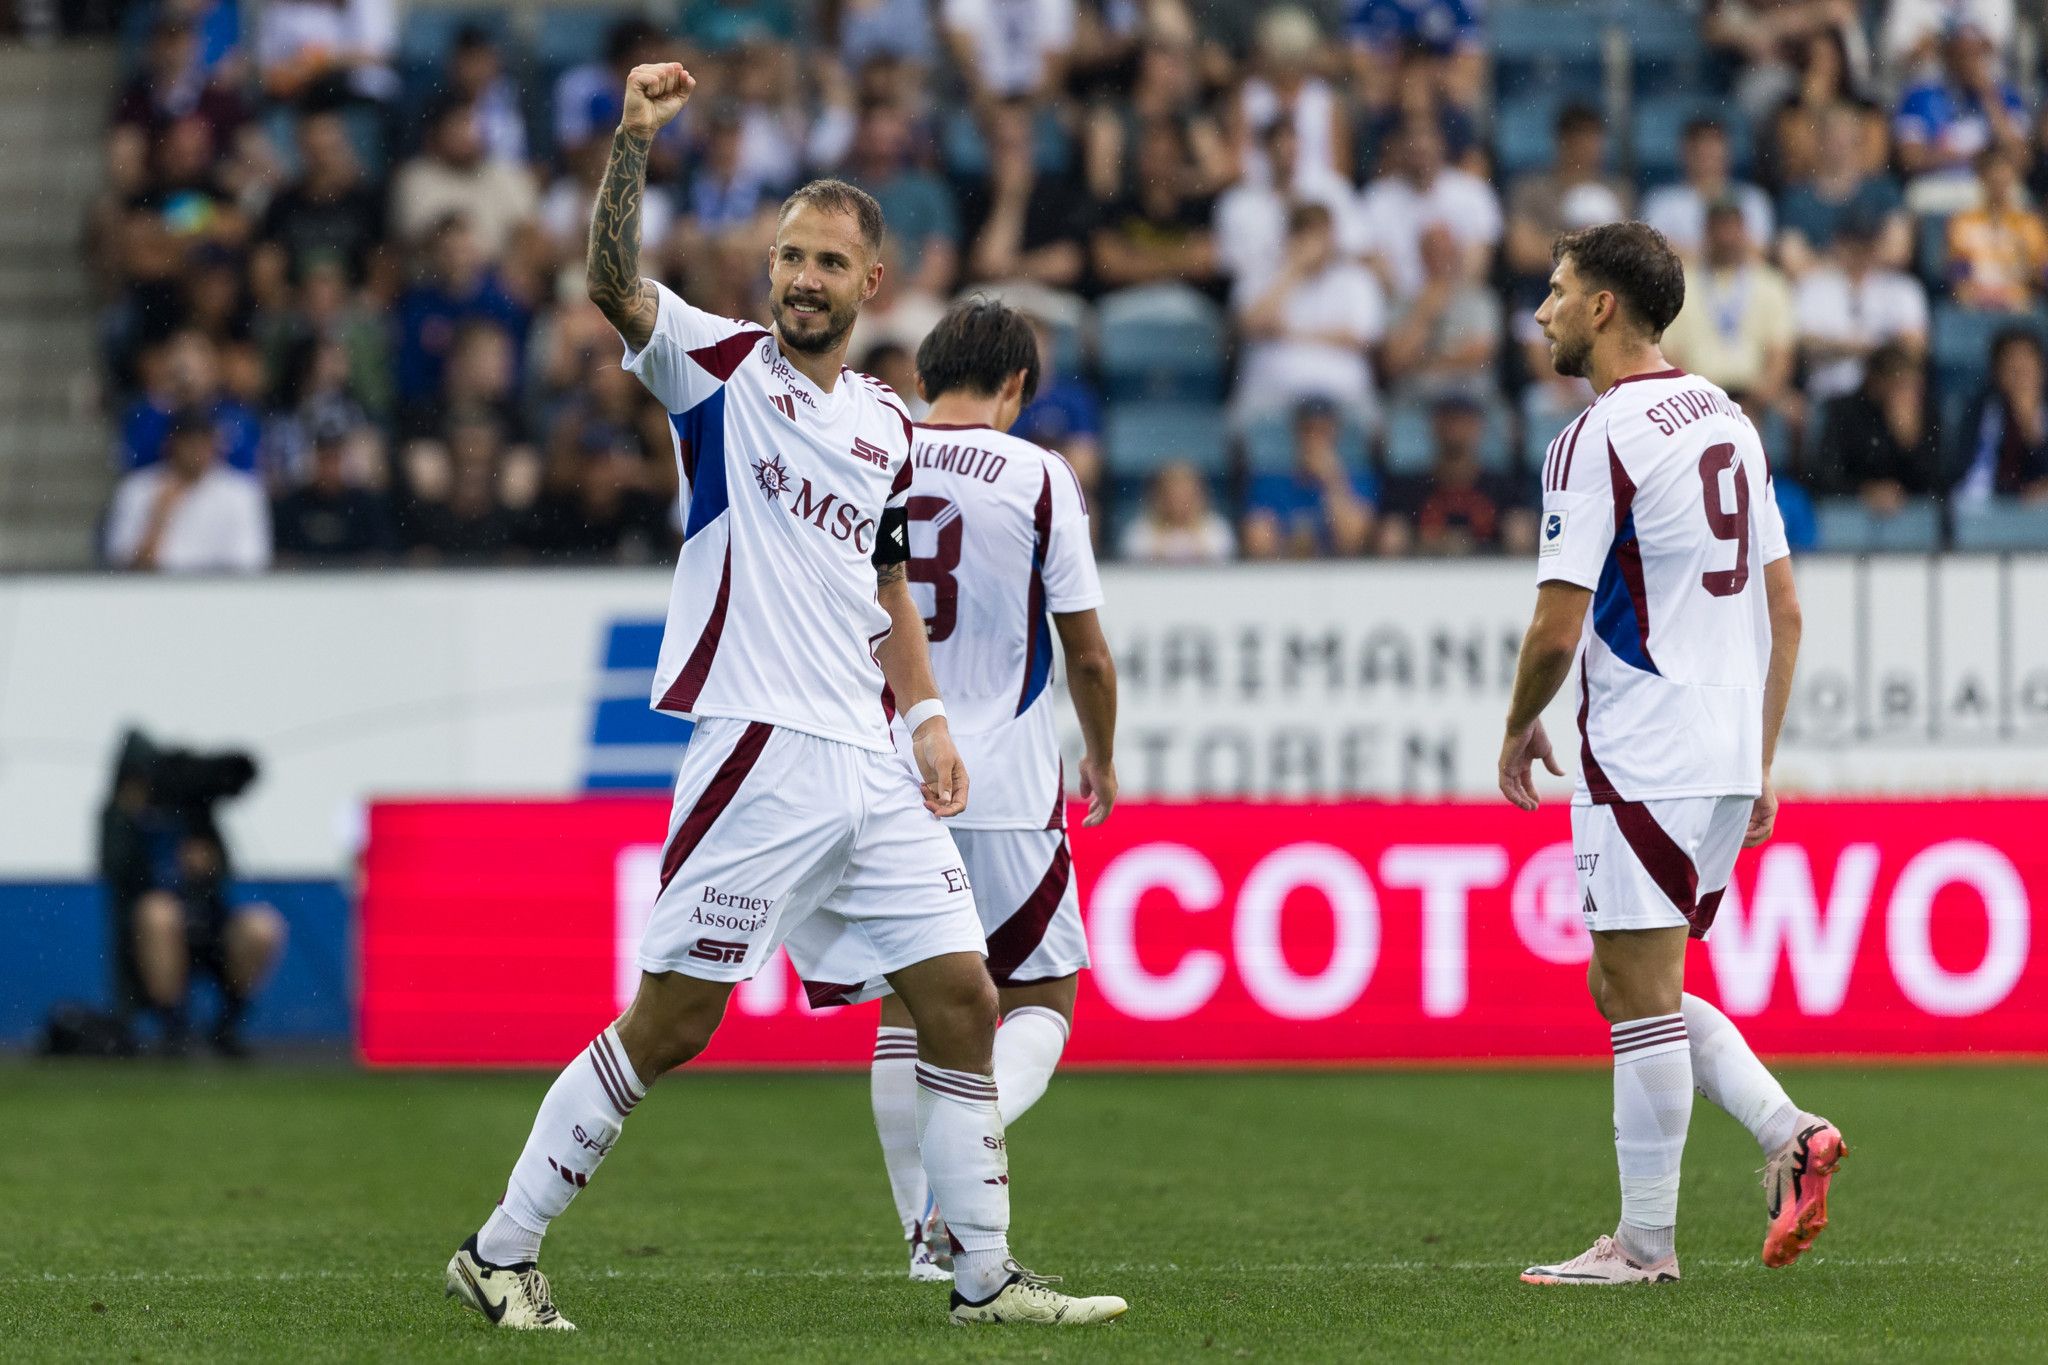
(780, 368)
(1553, 533)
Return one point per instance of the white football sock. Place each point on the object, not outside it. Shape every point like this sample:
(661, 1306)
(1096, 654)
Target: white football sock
(960, 1134)
(1731, 1077)
(892, 1087)
(1028, 1048)
(577, 1124)
(1652, 1106)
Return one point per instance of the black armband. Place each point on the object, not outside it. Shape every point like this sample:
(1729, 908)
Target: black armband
(892, 538)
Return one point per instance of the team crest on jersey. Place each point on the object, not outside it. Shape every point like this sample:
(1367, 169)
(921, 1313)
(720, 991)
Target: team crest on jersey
(773, 476)
(1553, 533)
(784, 404)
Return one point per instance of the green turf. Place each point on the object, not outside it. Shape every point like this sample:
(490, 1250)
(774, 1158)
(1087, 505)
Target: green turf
(305, 1215)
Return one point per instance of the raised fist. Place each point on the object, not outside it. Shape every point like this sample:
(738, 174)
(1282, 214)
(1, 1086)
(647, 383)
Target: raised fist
(655, 94)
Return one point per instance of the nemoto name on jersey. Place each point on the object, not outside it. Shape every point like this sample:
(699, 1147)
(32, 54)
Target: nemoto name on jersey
(970, 462)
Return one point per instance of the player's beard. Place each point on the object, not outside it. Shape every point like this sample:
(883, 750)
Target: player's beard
(838, 322)
(1571, 358)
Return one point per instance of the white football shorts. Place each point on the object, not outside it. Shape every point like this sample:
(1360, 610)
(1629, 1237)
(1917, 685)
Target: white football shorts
(1657, 864)
(781, 838)
(1024, 888)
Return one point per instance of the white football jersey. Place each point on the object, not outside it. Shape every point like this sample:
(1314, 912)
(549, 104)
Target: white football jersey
(998, 539)
(1659, 500)
(773, 615)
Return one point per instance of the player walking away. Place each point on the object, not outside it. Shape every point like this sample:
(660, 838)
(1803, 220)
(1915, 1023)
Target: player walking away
(999, 535)
(1662, 566)
(791, 632)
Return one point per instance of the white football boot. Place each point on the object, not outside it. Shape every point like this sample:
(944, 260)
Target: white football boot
(924, 1257)
(509, 1295)
(1603, 1263)
(1030, 1298)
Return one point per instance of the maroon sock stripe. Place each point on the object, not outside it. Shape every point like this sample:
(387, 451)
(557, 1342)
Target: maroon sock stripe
(634, 1094)
(608, 1065)
(943, 1083)
(1659, 1032)
(971, 1096)
(717, 795)
(1676, 1035)
(896, 1052)
(1018, 937)
(611, 1088)
(1621, 1031)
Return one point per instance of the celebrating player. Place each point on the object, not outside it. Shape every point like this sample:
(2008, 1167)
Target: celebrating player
(791, 632)
(999, 533)
(1659, 516)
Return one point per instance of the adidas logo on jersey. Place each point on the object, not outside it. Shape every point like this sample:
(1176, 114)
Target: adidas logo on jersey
(784, 404)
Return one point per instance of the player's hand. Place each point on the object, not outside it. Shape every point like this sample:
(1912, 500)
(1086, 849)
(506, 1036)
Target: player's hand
(945, 776)
(1518, 753)
(1098, 788)
(655, 94)
(1763, 817)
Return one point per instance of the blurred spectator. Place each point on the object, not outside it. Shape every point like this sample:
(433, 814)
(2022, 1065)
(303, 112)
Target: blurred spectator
(2004, 447)
(333, 517)
(768, 96)
(590, 98)
(1419, 192)
(172, 85)
(452, 512)
(721, 192)
(1574, 191)
(1998, 250)
(884, 28)
(1876, 444)
(329, 314)
(1737, 328)
(1158, 228)
(1065, 417)
(1444, 339)
(1914, 29)
(1167, 88)
(1005, 48)
(1320, 507)
(480, 380)
(188, 512)
(1680, 211)
(593, 507)
(1944, 123)
(1251, 217)
(1177, 525)
(476, 77)
(183, 376)
(325, 52)
(1457, 508)
(331, 209)
(457, 286)
(1449, 33)
(1307, 326)
(1019, 223)
(916, 204)
(1780, 43)
(455, 173)
(1844, 187)
(1283, 84)
(723, 25)
(1852, 305)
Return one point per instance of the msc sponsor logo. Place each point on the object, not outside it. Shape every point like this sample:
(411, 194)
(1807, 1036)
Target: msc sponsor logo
(835, 516)
(718, 950)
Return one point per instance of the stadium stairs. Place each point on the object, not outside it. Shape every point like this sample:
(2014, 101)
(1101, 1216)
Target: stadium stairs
(54, 470)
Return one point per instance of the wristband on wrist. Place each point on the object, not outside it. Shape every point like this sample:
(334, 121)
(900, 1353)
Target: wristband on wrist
(922, 712)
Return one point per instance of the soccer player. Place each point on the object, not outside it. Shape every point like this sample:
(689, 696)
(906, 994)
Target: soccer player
(1662, 567)
(791, 633)
(999, 534)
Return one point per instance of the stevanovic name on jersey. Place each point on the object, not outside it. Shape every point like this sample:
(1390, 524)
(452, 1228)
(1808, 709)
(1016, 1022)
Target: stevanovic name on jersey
(998, 538)
(773, 615)
(1659, 500)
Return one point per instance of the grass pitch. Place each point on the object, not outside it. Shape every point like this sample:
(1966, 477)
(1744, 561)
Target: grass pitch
(281, 1215)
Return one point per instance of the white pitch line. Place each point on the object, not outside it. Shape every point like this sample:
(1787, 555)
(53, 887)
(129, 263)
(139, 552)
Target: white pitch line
(652, 1273)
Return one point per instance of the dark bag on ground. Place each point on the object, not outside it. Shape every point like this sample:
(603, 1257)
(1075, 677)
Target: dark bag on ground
(75, 1030)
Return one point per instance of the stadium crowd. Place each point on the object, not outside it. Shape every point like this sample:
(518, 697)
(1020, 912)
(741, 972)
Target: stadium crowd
(1284, 259)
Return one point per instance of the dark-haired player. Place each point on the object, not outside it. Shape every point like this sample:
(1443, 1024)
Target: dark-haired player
(1663, 570)
(999, 539)
(791, 638)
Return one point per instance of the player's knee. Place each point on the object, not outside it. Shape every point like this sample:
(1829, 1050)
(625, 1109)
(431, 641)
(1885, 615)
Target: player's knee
(968, 1008)
(663, 1031)
(266, 931)
(159, 917)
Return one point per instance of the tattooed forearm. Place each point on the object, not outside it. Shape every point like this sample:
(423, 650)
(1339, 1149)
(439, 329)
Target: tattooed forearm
(885, 574)
(613, 263)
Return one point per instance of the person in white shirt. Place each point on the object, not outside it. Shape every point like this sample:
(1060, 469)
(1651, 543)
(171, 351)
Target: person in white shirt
(1419, 192)
(1178, 524)
(1307, 326)
(1850, 306)
(792, 641)
(1251, 217)
(455, 173)
(189, 512)
(1913, 29)
(1664, 582)
(1009, 47)
(1285, 85)
(1679, 211)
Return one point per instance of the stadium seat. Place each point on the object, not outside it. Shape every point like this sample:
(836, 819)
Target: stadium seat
(2003, 524)
(1546, 45)
(1847, 525)
(1961, 342)
(571, 37)
(1161, 341)
(1268, 441)
(1410, 444)
(1524, 135)
(1660, 123)
(1141, 435)
(429, 31)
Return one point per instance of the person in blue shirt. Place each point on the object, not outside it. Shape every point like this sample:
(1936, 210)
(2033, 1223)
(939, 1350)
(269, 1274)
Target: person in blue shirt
(1943, 124)
(184, 374)
(459, 287)
(1065, 417)
(1319, 508)
(1453, 32)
